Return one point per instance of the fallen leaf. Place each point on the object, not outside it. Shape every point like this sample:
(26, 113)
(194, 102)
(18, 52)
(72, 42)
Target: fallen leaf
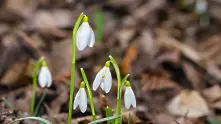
(150, 82)
(190, 104)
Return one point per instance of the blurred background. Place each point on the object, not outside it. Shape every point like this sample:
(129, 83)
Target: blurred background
(170, 48)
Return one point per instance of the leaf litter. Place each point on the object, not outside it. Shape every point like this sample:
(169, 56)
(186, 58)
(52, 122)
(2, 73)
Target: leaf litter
(174, 62)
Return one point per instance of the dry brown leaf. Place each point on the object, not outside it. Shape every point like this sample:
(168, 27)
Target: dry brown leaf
(15, 73)
(166, 40)
(133, 118)
(60, 99)
(45, 24)
(23, 7)
(190, 104)
(131, 55)
(157, 82)
(193, 75)
(124, 36)
(211, 48)
(213, 93)
(172, 56)
(147, 43)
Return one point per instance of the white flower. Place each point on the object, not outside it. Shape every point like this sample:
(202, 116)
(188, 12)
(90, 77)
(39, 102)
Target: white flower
(81, 100)
(85, 36)
(45, 78)
(201, 6)
(103, 79)
(129, 98)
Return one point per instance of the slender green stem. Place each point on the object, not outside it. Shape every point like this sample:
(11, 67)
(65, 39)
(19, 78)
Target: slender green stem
(40, 102)
(34, 85)
(117, 70)
(76, 26)
(8, 103)
(89, 94)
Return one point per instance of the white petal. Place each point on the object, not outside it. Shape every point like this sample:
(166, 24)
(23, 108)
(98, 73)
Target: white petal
(92, 39)
(129, 98)
(76, 100)
(133, 98)
(43, 77)
(102, 84)
(98, 78)
(107, 80)
(49, 77)
(201, 6)
(83, 100)
(83, 36)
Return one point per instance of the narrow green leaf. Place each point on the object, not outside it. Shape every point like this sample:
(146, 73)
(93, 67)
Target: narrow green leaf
(109, 113)
(40, 102)
(99, 24)
(105, 119)
(8, 103)
(129, 118)
(32, 118)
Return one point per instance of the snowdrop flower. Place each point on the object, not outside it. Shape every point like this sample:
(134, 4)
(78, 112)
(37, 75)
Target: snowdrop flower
(103, 78)
(85, 35)
(44, 78)
(81, 98)
(201, 6)
(129, 97)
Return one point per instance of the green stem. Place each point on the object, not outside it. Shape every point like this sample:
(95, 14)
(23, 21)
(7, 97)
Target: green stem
(34, 85)
(117, 70)
(76, 26)
(89, 93)
(8, 103)
(40, 102)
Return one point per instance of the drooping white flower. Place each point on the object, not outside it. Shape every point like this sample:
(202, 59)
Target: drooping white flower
(81, 99)
(103, 78)
(129, 97)
(44, 78)
(85, 35)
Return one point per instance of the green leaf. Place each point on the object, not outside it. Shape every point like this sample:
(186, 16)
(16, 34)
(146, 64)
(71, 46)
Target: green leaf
(40, 102)
(109, 113)
(32, 118)
(99, 15)
(105, 119)
(129, 118)
(8, 103)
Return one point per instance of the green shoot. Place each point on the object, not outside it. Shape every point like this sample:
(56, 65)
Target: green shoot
(109, 113)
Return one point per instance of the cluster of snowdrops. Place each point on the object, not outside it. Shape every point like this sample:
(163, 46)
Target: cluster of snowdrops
(83, 35)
